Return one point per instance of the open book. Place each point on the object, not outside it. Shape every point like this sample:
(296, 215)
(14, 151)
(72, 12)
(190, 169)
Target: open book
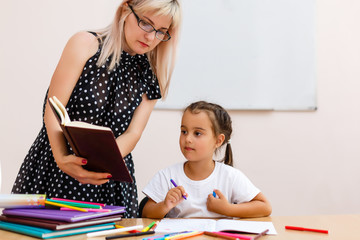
(95, 143)
(211, 225)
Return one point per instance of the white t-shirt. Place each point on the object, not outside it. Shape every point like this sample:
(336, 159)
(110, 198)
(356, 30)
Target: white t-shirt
(235, 186)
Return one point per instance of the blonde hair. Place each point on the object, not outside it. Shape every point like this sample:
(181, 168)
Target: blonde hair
(162, 57)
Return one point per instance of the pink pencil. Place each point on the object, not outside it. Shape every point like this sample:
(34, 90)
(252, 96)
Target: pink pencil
(76, 201)
(234, 235)
(88, 209)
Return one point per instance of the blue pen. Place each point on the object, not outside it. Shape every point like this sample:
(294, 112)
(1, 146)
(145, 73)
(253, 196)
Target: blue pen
(214, 194)
(175, 185)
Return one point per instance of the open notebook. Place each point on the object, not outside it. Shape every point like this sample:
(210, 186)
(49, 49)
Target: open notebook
(225, 225)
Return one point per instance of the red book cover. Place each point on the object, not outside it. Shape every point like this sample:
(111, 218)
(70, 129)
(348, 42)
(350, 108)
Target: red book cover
(97, 144)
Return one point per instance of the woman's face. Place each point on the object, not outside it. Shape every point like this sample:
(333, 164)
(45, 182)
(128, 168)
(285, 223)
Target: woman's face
(137, 41)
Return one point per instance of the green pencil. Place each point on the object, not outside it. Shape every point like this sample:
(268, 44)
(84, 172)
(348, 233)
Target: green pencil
(75, 204)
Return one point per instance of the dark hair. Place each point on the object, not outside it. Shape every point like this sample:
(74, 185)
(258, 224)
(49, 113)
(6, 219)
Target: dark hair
(221, 123)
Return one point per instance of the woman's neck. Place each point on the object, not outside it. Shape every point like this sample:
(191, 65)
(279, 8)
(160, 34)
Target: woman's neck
(199, 170)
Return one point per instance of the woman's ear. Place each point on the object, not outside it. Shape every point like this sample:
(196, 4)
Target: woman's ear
(219, 140)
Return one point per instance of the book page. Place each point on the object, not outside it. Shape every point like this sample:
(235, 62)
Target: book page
(212, 225)
(244, 226)
(179, 225)
(87, 125)
(60, 106)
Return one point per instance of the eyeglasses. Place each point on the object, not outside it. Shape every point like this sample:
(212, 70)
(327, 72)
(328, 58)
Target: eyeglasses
(147, 27)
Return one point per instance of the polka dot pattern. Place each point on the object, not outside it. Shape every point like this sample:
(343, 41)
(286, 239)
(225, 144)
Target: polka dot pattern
(101, 97)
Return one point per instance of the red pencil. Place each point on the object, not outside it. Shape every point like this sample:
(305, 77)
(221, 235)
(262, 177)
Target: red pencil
(306, 229)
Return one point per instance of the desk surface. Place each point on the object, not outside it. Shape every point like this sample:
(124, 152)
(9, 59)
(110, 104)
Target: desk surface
(339, 226)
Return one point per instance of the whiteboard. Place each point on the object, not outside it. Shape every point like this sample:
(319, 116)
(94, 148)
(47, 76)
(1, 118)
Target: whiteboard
(246, 54)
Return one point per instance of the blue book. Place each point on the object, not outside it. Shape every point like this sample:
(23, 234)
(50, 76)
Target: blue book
(46, 233)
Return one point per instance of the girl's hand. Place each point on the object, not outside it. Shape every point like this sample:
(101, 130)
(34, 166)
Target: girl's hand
(217, 205)
(72, 166)
(174, 197)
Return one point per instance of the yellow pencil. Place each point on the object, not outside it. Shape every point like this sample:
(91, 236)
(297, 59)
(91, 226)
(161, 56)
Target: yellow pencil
(64, 205)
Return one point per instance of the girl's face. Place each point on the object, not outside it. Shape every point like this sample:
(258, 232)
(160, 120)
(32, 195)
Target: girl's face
(197, 139)
(137, 41)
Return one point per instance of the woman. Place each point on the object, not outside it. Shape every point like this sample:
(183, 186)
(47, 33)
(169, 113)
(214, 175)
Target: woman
(111, 77)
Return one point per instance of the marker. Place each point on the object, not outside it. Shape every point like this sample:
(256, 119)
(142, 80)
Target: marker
(163, 236)
(184, 235)
(306, 229)
(175, 185)
(234, 235)
(66, 206)
(130, 235)
(75, 204)
(214, 194)
(116, 230)
(154, 226)
(219, 235)
(76, 201)
(88, 209)
(148, 227)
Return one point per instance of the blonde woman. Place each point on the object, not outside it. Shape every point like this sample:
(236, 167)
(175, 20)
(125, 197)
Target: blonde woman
(110, 77)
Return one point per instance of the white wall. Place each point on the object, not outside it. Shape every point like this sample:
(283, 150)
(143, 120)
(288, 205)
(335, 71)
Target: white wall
(305, 162)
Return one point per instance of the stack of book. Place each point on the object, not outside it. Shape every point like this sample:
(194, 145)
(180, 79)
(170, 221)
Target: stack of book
(43, 222)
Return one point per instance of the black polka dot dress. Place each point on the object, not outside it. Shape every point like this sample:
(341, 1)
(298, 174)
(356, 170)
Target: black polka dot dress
(101, 97)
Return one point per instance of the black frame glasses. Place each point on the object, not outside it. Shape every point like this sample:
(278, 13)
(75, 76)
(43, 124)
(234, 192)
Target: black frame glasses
(147, 27)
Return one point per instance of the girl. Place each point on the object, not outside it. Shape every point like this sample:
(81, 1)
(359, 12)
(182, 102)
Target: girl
(111, 77)
(208, 188)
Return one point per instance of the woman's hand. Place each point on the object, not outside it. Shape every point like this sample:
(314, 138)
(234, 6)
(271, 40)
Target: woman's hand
(72, 166)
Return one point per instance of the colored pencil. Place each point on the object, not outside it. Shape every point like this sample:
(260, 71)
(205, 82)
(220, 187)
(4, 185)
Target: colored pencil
(130, 235)
(64, 205)
(306, 229)
(163, 236)
(116, 230)
(213, 234)
(75, 204)
(88, 209)
(76, 201)
(147, 228)
(185, 235)
(175, 185)
(154, 226)
(235, 235)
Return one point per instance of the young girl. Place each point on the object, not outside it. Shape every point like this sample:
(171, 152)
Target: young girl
(111, 77)
(207, 188)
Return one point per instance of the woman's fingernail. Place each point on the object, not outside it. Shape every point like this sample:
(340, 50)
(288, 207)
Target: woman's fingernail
(109, 176)
(84, 161)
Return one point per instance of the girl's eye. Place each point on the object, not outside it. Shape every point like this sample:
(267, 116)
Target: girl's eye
(197, 133)
(183, 132)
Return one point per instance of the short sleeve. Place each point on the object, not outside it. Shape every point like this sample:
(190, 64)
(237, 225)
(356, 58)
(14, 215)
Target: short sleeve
(243, 189)
(149, 81)
(158, 187)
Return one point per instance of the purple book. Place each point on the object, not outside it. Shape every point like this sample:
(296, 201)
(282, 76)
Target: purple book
(56, 214)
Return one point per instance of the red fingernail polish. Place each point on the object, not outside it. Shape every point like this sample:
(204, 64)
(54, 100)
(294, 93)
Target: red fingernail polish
(109, 176)
(84, 161)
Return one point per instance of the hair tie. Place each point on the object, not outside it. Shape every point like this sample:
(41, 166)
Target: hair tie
(229, 141)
